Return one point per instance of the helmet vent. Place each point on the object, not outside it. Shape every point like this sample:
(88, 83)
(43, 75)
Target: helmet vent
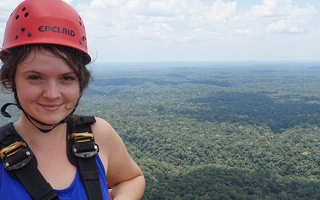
(26, 14)
(17, 17)
(29, 34)
(81, 23)
(23, 9)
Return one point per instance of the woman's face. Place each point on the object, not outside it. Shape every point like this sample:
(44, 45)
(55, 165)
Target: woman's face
(47, 88)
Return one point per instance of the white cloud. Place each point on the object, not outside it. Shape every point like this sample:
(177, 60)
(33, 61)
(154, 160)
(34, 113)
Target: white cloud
(221, 12)
(6, 9)
(68, 1)
(105, 3)
(159, 31)
(114, 25)
(284, 26)
(271, 8)
(280, 16)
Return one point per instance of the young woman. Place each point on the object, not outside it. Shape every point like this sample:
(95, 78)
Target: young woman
(43, 57)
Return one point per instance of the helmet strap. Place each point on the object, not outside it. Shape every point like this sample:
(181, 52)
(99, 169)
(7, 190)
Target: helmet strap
(33, 120)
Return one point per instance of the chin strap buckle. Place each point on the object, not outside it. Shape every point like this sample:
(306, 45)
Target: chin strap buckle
(84, 145)
(15, 155)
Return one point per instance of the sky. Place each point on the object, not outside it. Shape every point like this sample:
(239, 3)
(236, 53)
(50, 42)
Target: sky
(196, 30)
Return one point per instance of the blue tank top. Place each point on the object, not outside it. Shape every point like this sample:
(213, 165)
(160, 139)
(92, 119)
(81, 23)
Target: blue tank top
(12, 189)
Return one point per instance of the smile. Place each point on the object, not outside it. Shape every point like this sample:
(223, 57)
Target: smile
(50, 107)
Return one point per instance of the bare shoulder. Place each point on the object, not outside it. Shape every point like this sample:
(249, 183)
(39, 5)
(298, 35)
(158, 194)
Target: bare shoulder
(105, 136)
(102, 128)
(117, 162)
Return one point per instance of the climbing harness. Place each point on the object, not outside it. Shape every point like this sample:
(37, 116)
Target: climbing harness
(20, 162)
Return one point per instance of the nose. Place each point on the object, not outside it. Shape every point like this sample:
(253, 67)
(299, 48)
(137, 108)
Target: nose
(51, 90)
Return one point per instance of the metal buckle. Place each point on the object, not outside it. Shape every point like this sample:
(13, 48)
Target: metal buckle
(15, 155)
(84, 145)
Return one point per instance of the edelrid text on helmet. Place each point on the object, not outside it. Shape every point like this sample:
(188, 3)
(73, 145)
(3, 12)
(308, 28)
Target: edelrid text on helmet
(56, 30)
(45, 22)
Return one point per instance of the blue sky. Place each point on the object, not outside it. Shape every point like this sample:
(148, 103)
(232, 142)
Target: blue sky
(197, 30)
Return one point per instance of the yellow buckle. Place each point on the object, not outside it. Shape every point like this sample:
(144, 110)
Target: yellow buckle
(15, 155)
(12, 149)
(84, 145)
(81, 137)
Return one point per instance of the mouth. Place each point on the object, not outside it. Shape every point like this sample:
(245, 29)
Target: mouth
(51, 107)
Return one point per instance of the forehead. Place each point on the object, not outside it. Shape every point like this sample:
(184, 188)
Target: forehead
(43, 60)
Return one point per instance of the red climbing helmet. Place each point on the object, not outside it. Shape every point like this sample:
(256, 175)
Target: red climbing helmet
(45, 22)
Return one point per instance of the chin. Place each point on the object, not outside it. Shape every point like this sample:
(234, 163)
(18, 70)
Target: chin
(51, 119)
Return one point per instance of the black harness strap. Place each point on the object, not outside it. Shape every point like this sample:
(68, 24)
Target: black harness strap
(36, 185)
(84, 151)
(20, 163)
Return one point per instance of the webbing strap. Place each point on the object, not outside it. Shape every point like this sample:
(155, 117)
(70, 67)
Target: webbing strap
(28, 173)
(87, 166)
(90, 177)
(37, 186)
(32, 179)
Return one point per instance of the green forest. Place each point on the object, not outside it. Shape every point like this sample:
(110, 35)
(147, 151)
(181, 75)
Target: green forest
(205, 130)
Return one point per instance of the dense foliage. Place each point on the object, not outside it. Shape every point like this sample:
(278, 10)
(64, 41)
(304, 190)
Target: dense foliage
(215, 130)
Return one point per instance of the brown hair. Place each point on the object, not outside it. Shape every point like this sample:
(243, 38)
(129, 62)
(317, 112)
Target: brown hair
(11, 58)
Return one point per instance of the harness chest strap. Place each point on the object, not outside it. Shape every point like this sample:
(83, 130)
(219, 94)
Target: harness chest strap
(84, 149)
(20, 162)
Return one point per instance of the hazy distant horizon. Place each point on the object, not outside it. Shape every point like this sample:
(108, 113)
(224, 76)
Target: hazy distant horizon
(203, 63)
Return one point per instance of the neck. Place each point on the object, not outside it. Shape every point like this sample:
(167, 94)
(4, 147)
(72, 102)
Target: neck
(38, 124)
(35, 137)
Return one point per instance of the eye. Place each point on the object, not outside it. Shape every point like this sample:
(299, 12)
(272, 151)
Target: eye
(69, 78)
(34, 77)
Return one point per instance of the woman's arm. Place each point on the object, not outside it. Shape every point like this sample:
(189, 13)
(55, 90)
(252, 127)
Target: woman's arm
(124, 176)
(131, 189)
